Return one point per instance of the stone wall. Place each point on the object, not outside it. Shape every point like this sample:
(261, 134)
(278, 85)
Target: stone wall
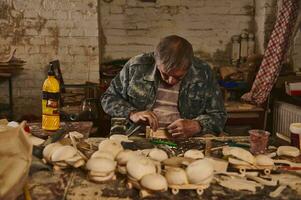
(43, 30)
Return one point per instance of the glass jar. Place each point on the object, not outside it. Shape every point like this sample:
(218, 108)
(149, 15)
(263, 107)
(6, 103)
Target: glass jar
(251, 44)
(235, 50)
(243, 47)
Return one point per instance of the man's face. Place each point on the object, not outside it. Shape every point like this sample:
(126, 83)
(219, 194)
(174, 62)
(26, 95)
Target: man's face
(172, 76)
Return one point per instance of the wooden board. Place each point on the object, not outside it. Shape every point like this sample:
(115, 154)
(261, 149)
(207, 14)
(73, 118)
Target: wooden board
(160, 133)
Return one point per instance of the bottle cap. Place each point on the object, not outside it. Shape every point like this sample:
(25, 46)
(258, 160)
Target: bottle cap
(295, 128)
(51, 70)
(235, 38)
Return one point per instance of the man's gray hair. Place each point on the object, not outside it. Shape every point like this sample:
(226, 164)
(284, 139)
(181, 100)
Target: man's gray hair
(174, 51)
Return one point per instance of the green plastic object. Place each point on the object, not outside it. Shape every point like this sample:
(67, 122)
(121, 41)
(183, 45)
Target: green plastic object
(168, 143)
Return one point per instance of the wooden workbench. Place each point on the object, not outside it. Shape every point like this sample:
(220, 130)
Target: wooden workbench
(73, 184)
(243, 114)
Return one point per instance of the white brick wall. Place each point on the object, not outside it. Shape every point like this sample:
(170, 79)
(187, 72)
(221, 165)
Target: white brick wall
(43, 30)
(264, 9)
(131, 27)
(49, 29)
(296, 50)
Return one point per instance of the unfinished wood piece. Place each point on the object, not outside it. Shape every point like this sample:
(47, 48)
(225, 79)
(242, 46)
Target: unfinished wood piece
(288, 151)
(3, 122)
(120, 138)
(141, 166)
(103, 154)
(161, 133)
(177, 161)
(158, 154)
(219, 165)
(102, 165)
(263, 160)
(176, 176)
(235, 161)
(291, 180)
(49, 149)
(278, 191)
(123, 157)
(58, 168)
(283, 137)
(101, 179)
(101, 169)
(239, 184)
(243, 168)
(35, 140)
(239, 153)
(233, 174)
(262, 180)
(143, 193)
(112, 146)
(199, 188)
(76, 161)
(199, 172)
(286, 162)
(154, 182)
(194, 154)
(227, 71)
(132, 183)
(61, 164)
(224, 138)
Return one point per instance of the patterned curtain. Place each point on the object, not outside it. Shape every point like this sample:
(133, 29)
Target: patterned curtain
(274, 54)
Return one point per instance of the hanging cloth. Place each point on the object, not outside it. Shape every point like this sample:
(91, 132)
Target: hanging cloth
(274, 54)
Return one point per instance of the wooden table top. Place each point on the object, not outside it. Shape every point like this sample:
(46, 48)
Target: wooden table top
(83, 127)
(242, 107)
(73, 184)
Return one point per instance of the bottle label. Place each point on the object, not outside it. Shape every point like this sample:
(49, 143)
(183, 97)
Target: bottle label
(50, 103)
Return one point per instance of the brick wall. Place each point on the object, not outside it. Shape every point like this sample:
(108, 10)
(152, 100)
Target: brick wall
(265, 16)
(43, 30)
(296, 50)
(130, 27)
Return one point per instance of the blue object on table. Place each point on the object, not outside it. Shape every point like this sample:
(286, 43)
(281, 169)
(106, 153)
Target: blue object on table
(233, 84)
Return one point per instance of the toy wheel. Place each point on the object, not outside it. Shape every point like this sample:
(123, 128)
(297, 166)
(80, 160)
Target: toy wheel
(242, 170)
(175, 191)
(267, 171)
(129, 185)
(57, 168)
(200, 191)
(143, 194)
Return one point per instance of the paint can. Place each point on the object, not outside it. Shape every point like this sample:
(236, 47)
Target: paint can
(295, 129)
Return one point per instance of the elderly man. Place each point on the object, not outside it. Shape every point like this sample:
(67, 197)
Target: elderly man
(169, 88)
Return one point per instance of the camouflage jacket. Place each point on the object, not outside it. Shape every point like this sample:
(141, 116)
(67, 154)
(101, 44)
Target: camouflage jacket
(134, 89)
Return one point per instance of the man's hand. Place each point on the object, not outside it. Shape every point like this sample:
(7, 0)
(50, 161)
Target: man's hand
(147, 117)
(184, 128)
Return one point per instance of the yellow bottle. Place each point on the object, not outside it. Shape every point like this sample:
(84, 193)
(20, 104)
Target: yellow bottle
(50, 102)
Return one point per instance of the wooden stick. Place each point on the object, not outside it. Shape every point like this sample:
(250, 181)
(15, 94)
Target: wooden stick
(224, 138)
(26, 192)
